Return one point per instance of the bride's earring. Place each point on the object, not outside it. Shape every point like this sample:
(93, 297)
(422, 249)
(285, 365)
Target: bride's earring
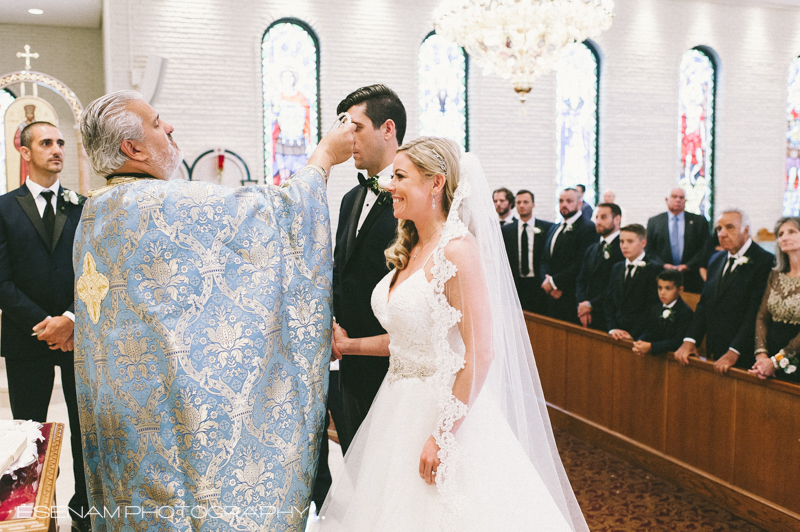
(433, 202)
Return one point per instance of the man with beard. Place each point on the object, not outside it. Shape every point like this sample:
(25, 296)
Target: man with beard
(564, 250)
(503, 203)
(203, 333)
(596, 268)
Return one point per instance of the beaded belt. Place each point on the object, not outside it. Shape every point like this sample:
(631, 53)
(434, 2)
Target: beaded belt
(399, 369)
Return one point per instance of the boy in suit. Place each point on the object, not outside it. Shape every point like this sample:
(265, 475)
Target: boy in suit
(633, 286)
(668, 321)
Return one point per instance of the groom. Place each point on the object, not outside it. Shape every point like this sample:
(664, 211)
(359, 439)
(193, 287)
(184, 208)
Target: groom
(367, 227)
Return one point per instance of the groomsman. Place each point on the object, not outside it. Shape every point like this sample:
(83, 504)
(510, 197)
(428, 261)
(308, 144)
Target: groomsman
(726, 313)
(564, 250)
(595, 274)
(367, 227)
(503, 203)
(633, 289)
(37, 287)
(679, 238)
(525, 240)
(586, 209)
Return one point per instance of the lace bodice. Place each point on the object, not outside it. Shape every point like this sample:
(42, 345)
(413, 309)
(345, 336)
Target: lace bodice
(407, 317)
(781, 302)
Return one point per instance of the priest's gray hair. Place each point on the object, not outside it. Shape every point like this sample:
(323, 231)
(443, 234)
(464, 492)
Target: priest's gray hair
(740, 212)
(106, 122)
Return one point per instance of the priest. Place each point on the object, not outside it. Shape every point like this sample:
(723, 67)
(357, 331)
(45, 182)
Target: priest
(202, 334)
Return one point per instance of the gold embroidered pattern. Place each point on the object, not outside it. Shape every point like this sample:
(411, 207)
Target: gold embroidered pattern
(92, 287)
(402, 369)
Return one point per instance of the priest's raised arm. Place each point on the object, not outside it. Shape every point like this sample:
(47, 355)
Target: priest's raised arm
(203, 330)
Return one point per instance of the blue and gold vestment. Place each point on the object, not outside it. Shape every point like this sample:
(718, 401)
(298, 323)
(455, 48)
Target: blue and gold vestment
(202, 341)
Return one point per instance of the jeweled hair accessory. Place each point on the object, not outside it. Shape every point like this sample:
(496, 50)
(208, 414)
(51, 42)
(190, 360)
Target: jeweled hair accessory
(440, 160)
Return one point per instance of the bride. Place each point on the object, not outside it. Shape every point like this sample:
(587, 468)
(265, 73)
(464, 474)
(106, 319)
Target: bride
(458, 437)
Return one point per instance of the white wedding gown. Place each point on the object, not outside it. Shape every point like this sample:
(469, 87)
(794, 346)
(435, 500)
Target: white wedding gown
(380, 489)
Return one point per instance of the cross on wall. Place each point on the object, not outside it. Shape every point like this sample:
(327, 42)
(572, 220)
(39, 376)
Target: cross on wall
(28, 56)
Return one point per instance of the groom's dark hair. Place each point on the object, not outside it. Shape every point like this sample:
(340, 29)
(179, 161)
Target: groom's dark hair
(382, 104)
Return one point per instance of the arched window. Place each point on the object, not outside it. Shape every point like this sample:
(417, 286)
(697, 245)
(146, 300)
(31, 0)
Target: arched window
(577, 87)
(791, 190)
(5, 100)
(443, 90)
(698, 77)
(290, 91)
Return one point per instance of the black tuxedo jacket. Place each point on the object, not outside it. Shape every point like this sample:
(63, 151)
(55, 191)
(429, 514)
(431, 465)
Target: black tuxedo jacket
(667, 335)
(627, 303)
(36, 280)
(356, 271)
(695, 236)
(511, 240)
(564, 264)
(594, 278)
(726, 313)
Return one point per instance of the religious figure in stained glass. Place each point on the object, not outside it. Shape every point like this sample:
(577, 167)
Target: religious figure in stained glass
(791, 194)
(290, 66)
(576, 119)
(443, 90)
(696, 110)
(6, 98)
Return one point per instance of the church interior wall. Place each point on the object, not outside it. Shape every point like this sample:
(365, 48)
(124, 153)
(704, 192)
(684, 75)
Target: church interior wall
(72, 55)
(211, 89)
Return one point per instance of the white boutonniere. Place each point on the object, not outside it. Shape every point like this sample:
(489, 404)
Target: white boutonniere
(70, 196)
(639, 263)
(568, 228)
(536, 230)
(741, 260)
(667, 313)
(606, 255)
(383, 182)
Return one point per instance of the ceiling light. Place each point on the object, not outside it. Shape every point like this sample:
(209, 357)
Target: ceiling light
(36, 12)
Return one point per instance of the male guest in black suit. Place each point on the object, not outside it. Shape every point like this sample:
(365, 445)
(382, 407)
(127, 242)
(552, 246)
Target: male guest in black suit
(726, 313)
(524, 240)
(367, 227)
(586, 209)
(564, 250)
(669, 320)
(37, 229)
(679, 238)
(595, 274)
(503, 203)
(633, 289)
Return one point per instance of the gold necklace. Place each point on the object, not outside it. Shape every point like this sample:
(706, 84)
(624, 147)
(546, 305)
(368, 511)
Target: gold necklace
(425, 244)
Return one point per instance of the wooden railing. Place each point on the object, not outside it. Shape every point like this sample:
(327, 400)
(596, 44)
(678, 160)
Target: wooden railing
(734, 439)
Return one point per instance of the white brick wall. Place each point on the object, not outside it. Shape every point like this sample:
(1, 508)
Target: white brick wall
(212, 91)
(72, 55)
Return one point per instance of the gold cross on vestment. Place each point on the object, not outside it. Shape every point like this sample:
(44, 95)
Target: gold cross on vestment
(28, 55)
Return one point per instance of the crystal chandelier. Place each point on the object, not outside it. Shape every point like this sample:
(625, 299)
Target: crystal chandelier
(521, 40)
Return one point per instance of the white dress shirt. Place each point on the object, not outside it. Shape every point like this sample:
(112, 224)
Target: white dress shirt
(36, 191)
(371, 198)
(531, 235)
(608, 239)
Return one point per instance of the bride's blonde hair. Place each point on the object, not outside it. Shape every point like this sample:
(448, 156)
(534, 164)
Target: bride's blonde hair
(427, 154)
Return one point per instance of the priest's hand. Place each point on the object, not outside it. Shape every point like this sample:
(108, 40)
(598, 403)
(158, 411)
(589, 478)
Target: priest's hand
(55, 331)
(334, 148)
(429, 461)
(726, 362)
(684, 352)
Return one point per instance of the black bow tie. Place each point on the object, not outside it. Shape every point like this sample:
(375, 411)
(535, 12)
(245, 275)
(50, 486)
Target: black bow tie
(364, 182)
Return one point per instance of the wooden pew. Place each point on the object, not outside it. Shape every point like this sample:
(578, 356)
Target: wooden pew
(733, 439)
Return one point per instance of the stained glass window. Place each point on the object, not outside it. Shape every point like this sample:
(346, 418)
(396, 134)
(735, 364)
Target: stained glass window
(791, 194)
(443, 90)
(5, 100)
(696, 134)
(290, 85)
(577, 118)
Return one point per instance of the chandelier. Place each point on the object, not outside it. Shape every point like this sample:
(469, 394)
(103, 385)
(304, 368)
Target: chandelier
(520, 40)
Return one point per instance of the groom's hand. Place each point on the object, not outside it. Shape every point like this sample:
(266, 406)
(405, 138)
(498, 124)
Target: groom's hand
(334, 148)
(339, 338)
(55, 331)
